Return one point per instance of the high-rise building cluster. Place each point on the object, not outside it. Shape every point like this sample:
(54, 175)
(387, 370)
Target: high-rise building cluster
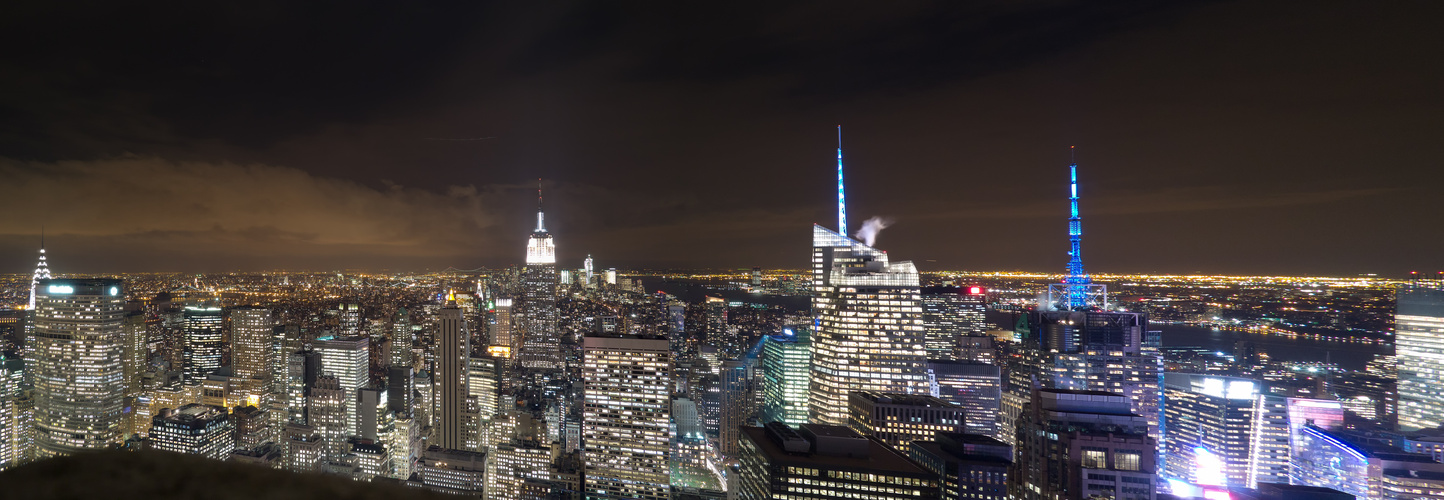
(543, 382)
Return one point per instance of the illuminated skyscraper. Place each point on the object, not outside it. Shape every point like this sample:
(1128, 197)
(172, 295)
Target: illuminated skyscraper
(1091, 350)
(326, 407)
(16, 410)
(899, 419)
(501, 330)
(786, 367)
(717, 334)
(204, 343)
(627, 382)
(587, 268)
(401, 339)
(1082, 444)
(869, 334)
(453, 347)
(817, 462)
(350, 315)
(484, 376)
(133, 359)
(1072, 341)
(1224, 431)
(195, 429)
(303, 367)
(347, 359)
(949, 314)
(42, 272)
(677, 330)
(1419, 337)
(252, 335)
(541, 346)
(736, 404)
(976, 387)
(79, 382)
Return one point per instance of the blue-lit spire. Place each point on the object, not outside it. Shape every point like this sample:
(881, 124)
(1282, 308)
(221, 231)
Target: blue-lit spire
(1077, 280)
(841, 197)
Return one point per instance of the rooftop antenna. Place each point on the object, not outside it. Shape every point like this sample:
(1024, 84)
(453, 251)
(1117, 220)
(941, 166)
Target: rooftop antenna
(1078, 291)
(539, 225)
(841, 197)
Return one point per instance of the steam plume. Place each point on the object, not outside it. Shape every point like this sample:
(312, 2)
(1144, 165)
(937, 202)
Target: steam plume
(871, 227)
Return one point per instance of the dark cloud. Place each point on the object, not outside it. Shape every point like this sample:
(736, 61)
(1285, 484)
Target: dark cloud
(282, 135)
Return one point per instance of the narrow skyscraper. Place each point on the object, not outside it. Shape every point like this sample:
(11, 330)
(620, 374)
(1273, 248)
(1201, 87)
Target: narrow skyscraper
(541, 346)
(204, 342)
(452, 350)
(252, 333)
(786, 367)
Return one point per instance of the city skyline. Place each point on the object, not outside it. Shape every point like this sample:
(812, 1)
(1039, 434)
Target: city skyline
(1210, 140)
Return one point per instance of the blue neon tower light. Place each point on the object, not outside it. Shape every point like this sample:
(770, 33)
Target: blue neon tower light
(841, 198)
(1077, 280)
(1077, 291)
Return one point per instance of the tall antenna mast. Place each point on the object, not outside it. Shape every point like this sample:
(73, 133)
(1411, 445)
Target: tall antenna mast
(841, 196)
(1077, 291)
(539, 225)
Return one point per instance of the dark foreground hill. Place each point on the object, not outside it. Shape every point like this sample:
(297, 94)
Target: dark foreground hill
(155, 475)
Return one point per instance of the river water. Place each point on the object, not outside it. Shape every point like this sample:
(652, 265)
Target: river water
(1347, 355)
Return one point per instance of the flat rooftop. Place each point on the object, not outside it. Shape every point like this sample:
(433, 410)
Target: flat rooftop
(880, 457)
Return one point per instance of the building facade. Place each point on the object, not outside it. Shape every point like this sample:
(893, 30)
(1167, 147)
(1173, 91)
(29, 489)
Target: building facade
(786, 368)
(969, 466)
(1082, 444)
(826, 462)
(1419, 344)
(869, 328)
(451, 377)
(950, 314)
(204, 342)
(1224, 431)
(348, 360)
(540, 341)
(78, 378)
(900, 419)
(976, 387)
(194, 429)
(626, 431)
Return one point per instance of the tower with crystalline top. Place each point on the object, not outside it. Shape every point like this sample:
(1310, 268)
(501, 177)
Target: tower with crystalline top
(867, 316)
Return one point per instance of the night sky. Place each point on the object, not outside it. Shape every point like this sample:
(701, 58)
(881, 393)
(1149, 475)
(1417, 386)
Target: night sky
(1270, 137)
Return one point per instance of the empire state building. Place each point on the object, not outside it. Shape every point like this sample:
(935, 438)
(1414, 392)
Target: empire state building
(541, 346)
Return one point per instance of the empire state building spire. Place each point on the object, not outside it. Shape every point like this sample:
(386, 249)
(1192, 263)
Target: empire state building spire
(42, 271)
(540, 223)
